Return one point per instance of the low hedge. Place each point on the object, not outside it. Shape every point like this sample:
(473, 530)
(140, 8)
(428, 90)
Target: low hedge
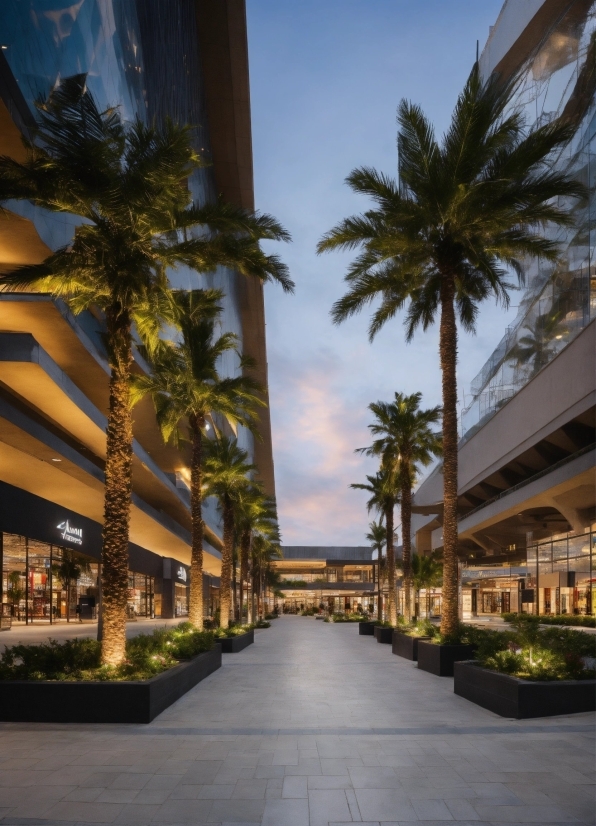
(578, 620)
(80, 659)
(345, 618)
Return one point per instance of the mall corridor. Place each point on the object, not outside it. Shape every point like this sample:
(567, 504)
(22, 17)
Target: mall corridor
(313, 725)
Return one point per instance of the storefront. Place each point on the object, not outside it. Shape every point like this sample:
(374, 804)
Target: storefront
(49, 564)
(562, 576)
(496, 590)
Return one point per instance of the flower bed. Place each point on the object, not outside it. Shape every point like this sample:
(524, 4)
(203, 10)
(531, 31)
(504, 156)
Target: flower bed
(79, 660)
(64, 683)
(514, 697)
(235, 638)
(345, 618)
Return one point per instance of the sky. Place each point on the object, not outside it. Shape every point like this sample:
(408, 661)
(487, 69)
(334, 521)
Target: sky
(326, 78)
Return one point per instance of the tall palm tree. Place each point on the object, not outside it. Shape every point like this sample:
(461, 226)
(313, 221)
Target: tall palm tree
(226, 476)
(265, 548)
(405, 441)
(254, 512)
(187, 389)
(442, 238)
(128, 183)
(384, 489)
(377, 536)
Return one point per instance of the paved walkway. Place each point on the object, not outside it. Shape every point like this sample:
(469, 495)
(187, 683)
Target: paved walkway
(311, 726)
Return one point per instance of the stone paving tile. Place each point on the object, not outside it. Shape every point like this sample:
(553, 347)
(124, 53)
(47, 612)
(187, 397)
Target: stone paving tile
(290, 733)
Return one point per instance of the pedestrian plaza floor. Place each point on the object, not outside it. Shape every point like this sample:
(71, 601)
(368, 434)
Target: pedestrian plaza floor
(312, 725)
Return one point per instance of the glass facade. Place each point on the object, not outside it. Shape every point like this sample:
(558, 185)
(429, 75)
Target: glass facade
(142, 57)
(562, 574)
(43, 583)
(559, 301)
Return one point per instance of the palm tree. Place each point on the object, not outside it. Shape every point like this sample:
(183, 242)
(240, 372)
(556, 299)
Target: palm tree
(384, 490)
(70, 570)
(265, 548)
(441, 240)
(377, 536)
(128, 183)
(254, 512)
(427, 572)
(187, 389)
(226, 476)
(406, 441)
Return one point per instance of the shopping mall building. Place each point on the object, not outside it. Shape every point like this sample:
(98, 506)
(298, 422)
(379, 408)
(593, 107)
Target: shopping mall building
(327, 578)
(186, 59)
(527, 461)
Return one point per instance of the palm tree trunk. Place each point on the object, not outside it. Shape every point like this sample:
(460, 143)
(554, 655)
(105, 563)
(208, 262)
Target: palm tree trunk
(448, 354)
(118, 489)
(245, 539)
(195, 610)
(236, 608)
(391, 565)
(406, 523)
(226, 562)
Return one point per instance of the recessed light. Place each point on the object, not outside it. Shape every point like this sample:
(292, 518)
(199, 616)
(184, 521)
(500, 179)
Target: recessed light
(56, 460)
(4, 47)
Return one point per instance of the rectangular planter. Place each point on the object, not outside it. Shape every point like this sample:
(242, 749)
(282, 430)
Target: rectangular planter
(366, 629)
(511, 697)
(439, 659)
(406, 645)
(383, 634)
(103, 702)
(232, 645)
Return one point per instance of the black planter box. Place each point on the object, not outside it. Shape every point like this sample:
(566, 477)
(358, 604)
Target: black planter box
(439, 659)
(366, 629)
(406, 645)
(511, 697)
(383, 634)
(103, 702)
(232, 645)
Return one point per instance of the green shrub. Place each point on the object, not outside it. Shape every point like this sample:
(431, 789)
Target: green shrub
(146, 655)
(532, 653)
(578, 620)
(262, 624)
(232, 631)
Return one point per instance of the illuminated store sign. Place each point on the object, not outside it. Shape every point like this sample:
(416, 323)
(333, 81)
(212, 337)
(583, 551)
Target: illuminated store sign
(181, 574)
(70, 534)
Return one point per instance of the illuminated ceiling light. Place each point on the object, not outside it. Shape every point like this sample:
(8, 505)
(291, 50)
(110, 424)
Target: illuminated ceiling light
(4, 47)
(56, 460)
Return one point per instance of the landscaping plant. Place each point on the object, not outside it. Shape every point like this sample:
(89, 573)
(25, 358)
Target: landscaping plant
(465, 212)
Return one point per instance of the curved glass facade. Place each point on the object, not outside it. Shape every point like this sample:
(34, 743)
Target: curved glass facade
(558, 80)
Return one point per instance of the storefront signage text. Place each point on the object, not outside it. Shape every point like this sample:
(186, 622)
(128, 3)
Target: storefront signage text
(70, 533)
(181, 574)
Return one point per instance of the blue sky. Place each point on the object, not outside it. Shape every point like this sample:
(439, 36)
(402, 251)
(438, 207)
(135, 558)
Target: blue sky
(326, 78)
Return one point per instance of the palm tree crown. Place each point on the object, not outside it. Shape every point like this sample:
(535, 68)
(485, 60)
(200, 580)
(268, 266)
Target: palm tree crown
(441, 240)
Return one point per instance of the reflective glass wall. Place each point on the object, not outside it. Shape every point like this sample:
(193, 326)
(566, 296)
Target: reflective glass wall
(562, 574)
(558, 80)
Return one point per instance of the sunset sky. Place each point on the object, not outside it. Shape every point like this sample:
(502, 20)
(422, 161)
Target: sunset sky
(326, 78)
